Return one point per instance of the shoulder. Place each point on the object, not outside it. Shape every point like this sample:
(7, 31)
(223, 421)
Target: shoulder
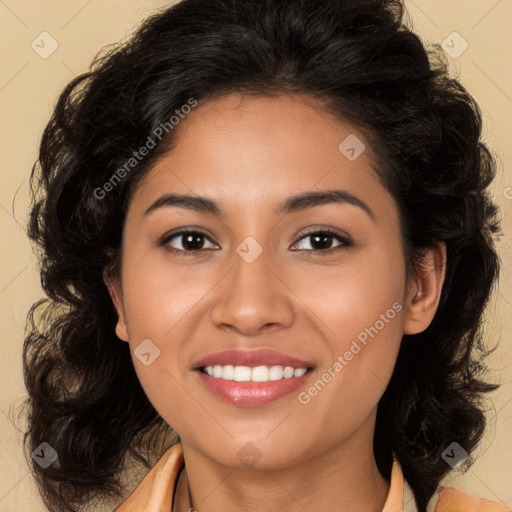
(444, 499)
(453, 500)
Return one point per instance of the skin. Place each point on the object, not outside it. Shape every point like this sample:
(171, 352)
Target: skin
(250, 153)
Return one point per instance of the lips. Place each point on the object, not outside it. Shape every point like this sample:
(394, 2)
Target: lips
(251, 358)
(251, 393)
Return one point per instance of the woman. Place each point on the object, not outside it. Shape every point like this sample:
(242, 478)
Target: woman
(267, 244)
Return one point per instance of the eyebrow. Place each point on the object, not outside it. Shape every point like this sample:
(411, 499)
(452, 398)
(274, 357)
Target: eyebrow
(298, 202)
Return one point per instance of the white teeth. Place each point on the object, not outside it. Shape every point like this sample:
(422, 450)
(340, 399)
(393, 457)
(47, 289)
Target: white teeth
(288, 372)
(242, 374)
(275, 373)
(259, 374)
(228, 372)
(253, 374)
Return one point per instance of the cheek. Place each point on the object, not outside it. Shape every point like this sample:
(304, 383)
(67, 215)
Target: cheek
(159, 296)
(357, 296)
(161, 304)
(359, 308)
(348, 388)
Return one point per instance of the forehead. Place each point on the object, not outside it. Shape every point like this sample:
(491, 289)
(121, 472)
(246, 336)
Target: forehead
(252, 150)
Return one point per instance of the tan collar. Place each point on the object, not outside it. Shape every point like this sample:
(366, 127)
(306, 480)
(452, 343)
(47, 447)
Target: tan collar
(155, 493)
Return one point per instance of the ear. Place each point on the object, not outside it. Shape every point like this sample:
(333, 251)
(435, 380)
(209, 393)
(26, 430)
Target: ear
(424, 291)
(114, 288)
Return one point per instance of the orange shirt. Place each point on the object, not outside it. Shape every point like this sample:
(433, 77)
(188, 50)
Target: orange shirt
(155, 492)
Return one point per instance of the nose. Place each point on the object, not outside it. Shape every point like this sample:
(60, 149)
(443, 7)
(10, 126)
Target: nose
(253, 297)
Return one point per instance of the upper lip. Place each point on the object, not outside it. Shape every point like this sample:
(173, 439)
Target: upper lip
(254, 357)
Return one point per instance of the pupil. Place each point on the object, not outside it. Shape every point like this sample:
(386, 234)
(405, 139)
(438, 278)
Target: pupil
(322, 241)
(193, 241)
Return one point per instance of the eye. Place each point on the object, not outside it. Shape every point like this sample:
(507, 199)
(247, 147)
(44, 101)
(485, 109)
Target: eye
(321, 241)
(188, 241)
(193, 241)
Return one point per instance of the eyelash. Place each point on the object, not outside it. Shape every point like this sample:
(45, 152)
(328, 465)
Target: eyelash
(344, 242)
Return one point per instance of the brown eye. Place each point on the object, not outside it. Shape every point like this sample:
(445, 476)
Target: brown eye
(188, 241)
(322, 240)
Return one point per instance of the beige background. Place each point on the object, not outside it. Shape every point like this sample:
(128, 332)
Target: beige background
(29, 86)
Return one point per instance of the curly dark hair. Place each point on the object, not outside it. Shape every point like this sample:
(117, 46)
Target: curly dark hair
(363, 60)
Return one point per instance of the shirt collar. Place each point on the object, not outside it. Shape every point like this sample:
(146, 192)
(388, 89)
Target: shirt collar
(156, 490)
(400, 496)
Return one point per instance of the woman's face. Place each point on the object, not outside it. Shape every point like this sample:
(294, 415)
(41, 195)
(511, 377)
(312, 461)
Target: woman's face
(260, 278)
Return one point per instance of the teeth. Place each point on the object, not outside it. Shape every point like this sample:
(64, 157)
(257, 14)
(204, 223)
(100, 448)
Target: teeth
(253, 374)
(228, 372)
(259, 374)
(242, 374)
(275, 373)
(288, 372)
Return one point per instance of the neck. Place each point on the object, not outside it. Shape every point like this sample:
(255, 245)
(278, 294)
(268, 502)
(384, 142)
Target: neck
(346, 478)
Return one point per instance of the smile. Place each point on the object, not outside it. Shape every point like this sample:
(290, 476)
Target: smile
(255, 374)
(252, 378)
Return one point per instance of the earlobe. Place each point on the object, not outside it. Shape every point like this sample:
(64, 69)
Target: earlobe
(114, 289)
(425, 290)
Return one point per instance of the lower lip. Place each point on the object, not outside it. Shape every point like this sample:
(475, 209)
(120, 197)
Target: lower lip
(252, 394)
